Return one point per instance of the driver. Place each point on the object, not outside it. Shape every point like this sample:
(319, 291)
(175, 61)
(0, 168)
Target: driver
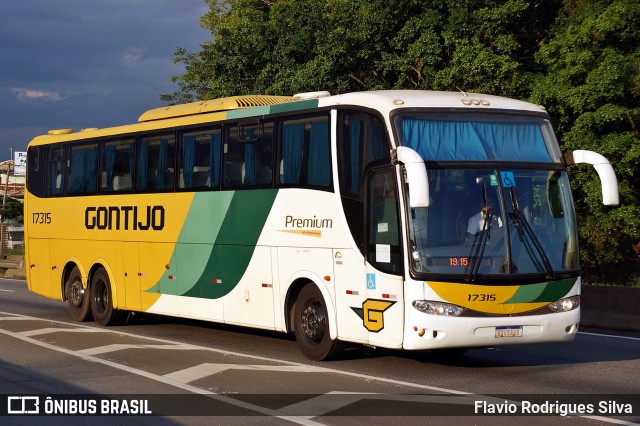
(476, 222)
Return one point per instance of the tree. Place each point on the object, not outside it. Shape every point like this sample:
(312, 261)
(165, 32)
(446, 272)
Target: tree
(13, 209)
(591, 86)
(288, 46)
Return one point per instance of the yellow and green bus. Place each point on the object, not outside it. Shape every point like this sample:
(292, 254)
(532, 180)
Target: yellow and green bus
(398, 219)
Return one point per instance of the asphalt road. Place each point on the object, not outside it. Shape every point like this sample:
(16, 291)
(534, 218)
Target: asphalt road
(189, 372)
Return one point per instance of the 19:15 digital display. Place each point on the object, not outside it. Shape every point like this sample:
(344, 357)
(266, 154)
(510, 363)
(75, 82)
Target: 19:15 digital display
(458, 261)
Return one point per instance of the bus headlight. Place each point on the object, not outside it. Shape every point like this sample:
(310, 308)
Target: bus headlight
(437, 308)
(566, 304)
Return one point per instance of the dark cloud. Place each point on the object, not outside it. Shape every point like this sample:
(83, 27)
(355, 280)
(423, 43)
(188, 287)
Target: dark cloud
(87, 63)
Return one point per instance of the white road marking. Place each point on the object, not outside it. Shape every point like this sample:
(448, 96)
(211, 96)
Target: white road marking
(49, 330)
(201, 371)
(609, 335)
(99, 350)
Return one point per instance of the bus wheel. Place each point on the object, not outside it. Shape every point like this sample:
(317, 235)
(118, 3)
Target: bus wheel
(311, 325)
(77, 297)
(102, 302)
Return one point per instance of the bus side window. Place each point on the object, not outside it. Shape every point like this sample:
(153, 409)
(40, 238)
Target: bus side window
(363, 141)
(199, 159)
(233, 158)
(36, 179)
(305, 152)
(83, 169)
(248, 155)
(56, 171)
(383, 236)
(117, 165)
(156, 163)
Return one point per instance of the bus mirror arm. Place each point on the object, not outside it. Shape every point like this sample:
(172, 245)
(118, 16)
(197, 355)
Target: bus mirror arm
(608, 180)
(416, 175)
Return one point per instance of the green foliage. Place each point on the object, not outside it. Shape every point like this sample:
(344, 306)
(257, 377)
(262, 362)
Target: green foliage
(579, 58)
(13, 209)
(288, 46)
(591, 88)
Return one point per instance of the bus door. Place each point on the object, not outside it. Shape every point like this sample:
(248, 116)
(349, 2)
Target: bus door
(374, 292)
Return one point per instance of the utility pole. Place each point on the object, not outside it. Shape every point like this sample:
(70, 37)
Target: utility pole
(4, 203)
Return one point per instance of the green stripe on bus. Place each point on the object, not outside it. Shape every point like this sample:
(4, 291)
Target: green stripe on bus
(543, 292)
(213, 258)
(272, 109)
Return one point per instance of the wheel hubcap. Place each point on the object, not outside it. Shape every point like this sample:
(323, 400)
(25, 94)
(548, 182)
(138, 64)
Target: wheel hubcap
(313, 322)
(76, 294)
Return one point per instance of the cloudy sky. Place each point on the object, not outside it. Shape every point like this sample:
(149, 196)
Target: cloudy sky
(88, 63)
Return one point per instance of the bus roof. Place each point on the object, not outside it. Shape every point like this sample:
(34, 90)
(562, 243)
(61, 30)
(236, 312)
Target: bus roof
(215, 105)
(257, 105)
(387, 100)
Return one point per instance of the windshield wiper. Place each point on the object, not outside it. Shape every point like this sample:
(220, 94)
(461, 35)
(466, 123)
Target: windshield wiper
(524, 230)
(478, 246)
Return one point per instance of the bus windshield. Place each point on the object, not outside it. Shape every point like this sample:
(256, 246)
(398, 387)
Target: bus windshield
(495, 222)
(499, 204)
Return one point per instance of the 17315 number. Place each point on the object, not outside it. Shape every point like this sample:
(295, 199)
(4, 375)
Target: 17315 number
(482, 298)
(41, 218)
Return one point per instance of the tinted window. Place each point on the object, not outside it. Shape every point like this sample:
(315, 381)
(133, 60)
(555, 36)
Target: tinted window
(156, 163)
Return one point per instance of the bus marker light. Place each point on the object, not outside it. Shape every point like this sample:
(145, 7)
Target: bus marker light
(53, 268)
(353, 292)
(216, 281)
(327, 278)
(171, 277)
(167, 266)
(421, 332)
(265, 285)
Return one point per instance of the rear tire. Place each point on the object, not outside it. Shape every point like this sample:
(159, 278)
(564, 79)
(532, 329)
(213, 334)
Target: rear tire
(77, 296)
(311, 326)
(102, 301)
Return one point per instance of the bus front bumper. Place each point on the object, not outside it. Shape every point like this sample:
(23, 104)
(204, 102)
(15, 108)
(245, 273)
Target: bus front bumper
(423, 331)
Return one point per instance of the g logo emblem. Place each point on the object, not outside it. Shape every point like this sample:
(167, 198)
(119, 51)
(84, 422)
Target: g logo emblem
(372, 313)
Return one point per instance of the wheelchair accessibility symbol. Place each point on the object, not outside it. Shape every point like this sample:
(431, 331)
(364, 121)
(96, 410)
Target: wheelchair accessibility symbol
(371, 281)
(508, 180)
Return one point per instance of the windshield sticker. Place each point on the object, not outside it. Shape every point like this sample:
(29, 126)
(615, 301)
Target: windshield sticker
(508, 180)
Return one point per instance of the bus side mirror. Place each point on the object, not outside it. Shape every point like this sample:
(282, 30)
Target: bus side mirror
(416, 175)
(608, 180)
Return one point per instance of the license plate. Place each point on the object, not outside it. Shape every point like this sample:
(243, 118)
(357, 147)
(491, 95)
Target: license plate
(515, 331)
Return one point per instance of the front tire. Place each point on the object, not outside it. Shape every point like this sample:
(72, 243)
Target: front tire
(77, 296)
(102, 302)
(311, 326)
